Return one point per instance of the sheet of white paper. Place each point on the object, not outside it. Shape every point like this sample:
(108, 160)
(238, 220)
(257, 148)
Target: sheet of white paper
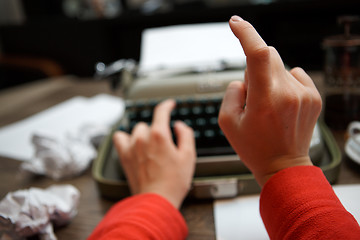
(239, 218)
(59, 120)
(184, 46)
(349, 196)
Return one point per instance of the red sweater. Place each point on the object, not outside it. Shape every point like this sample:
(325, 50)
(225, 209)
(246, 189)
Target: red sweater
(304, 207)
(301, 207)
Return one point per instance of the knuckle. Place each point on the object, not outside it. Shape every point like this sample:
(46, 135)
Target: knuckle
(317, 102)
(296, 70)
(262, 54)
(156, 134)
(307, 99)
(271, 50)
(125, 158)
(224, 119)
(292, 101)
(140, 141)
(221, 117)
(139, 134)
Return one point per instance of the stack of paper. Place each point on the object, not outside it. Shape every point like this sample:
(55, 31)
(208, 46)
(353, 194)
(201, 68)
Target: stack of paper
(64, 118)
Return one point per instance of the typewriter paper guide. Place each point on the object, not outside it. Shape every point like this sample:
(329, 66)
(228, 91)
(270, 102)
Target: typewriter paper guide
(188, 46)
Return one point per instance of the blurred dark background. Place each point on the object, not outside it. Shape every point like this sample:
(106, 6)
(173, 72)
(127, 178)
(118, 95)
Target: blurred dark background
(42, 38)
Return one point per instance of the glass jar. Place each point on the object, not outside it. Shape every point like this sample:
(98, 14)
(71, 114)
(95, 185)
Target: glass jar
(342, 77)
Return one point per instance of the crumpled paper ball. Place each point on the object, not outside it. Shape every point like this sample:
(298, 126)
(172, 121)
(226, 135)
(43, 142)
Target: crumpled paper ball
(34, 211)
(66, 157)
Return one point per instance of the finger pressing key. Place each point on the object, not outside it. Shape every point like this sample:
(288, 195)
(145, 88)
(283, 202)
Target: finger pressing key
(162, 113)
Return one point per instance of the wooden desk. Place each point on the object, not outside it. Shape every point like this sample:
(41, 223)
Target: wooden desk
(23, 101)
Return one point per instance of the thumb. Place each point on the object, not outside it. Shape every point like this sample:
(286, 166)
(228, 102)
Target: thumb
(232, 105)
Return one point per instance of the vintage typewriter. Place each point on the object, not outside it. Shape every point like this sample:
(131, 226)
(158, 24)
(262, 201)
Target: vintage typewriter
(198, 92)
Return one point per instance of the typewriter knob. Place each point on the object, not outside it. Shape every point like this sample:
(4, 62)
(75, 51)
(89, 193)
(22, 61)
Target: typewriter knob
(120, 73)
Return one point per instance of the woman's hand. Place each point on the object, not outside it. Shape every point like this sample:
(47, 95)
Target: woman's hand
(151, 160)
(269, 119)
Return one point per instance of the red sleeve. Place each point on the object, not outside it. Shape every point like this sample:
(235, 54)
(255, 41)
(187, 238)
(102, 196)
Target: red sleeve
(299, 203)
(145, 216)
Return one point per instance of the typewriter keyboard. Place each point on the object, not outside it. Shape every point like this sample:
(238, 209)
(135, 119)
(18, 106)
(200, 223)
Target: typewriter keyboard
(200, 114)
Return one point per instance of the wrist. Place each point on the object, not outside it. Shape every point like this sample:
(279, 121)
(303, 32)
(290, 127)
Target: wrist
(280, 164)
(174, 197)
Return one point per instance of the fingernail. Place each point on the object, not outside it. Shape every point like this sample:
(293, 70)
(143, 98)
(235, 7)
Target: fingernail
(236, 18)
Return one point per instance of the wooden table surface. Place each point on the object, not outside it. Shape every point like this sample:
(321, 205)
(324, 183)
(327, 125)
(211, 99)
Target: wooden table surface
(23, 101)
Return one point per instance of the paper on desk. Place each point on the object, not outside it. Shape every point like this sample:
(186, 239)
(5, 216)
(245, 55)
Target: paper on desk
(186, 46)
(66, 117)
(240, 218)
